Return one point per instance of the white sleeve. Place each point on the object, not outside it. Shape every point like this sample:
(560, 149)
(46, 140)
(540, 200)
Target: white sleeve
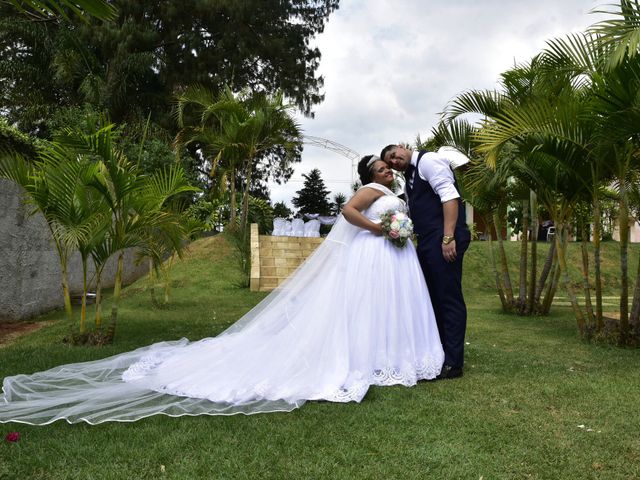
(435, 169)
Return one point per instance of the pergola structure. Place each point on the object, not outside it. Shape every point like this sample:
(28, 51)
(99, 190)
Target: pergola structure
(338, 148)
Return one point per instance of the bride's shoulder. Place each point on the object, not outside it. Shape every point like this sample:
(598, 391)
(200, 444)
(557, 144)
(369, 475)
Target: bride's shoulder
(378, 187)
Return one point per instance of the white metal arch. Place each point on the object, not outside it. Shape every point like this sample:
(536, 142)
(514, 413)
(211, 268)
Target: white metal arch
(335, 147)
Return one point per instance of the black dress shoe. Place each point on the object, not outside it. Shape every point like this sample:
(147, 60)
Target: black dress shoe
(449, 372)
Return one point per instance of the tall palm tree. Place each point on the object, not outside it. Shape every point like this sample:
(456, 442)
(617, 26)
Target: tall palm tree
(68, 176)
(485, 189)
(526, 115)
(518, 87)
(234, 130)
(613, 79)
(575, 139)
(199, 113)
(165, 237)
(136, 202)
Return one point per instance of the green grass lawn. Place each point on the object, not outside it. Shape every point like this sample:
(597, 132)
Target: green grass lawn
(535, 402)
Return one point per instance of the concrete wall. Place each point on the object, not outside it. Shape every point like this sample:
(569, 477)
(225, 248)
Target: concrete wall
(30, 277)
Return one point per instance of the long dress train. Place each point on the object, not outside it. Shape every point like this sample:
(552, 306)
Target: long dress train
(356, 313)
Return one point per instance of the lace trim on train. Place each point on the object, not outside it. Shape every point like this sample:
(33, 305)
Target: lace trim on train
(408, 375)
(142, 367)
(355, 390)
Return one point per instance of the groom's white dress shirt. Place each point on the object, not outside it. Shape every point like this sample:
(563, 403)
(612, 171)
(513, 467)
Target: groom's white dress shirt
(436, 168)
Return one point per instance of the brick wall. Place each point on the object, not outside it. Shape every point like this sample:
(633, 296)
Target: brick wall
(273, 259)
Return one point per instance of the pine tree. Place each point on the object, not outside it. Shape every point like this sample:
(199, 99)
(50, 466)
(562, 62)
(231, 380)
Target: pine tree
(281, 210)
(313, 196)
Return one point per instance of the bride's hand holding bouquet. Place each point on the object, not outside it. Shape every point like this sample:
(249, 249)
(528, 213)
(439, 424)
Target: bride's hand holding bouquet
(397, 227)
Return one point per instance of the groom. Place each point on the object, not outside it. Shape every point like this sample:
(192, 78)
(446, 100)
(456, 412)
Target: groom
(443, 236)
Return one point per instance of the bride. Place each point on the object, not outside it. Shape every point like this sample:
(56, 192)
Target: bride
(356, 313)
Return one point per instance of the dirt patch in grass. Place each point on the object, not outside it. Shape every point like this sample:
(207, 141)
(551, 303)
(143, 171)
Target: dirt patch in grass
(10, 331)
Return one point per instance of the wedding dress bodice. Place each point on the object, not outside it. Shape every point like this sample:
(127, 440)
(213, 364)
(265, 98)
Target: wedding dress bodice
(384, 204)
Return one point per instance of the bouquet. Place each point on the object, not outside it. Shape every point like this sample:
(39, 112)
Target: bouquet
(397, 227)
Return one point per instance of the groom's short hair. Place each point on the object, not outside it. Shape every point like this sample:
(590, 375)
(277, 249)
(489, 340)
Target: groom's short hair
(387, 149)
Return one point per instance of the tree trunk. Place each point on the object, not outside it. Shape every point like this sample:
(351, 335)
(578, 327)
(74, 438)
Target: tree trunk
(494, 265)
(245, 197)
(98, 320)
(586, 284)
(116, 298)
(66, 294)
(546, 269)
(83, 308)
(524, 248)
(506, 278)
(623, 222)
(232, 200)
(561, 235)
(152, 284)
(634, 316)
(534, 254)
(166, 275)
(552, 288)
(597, 238)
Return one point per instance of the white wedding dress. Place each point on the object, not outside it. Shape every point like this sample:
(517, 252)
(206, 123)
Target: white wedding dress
(357, 313)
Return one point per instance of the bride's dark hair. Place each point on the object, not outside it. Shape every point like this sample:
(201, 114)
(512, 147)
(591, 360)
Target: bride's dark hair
(365, 171)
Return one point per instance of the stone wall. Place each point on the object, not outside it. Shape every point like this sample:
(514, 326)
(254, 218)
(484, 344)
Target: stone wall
(273, 259)
(30, 276)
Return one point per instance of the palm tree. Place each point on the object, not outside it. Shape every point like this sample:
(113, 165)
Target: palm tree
(576, 137)
(518, 87)
(339, 199)
(136, 203)
(620, 34)
(97, 202)
(614, 82)
(165, 238)
(55, 186)
(68, 176)
(234, 130)
(549, 165)
(200, 115)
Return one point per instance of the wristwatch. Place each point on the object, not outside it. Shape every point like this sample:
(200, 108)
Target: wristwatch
(447, 239)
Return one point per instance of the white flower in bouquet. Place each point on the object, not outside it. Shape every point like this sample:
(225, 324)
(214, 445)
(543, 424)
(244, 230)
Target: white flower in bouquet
(397, 227)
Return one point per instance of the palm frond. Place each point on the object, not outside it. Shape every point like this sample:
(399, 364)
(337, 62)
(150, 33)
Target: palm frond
(621, 34)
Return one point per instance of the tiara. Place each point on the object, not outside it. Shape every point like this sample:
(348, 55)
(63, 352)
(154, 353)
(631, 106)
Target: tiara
(372, 160)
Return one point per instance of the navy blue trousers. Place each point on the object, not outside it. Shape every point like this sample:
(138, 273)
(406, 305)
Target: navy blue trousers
(445, 288)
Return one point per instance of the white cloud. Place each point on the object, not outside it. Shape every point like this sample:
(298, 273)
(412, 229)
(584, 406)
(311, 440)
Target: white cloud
(391, 66)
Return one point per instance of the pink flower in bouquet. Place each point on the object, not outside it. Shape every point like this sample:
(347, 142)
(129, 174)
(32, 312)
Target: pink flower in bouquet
(396, 227)
(12, 437)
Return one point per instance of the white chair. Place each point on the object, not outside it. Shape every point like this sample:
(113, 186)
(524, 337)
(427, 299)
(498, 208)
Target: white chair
(312, 228)
(297, 227)
(278, 227)
(286, 229)
(551, 232)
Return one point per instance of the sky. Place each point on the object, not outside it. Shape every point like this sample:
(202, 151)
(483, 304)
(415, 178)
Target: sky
(391, 66)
